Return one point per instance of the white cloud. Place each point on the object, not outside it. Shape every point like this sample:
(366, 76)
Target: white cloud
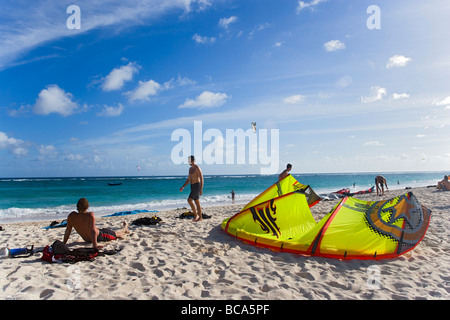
(294, 99)
(344, 82)
(118, 76)
(259, 27)
(108, 111)
(399, 96)
(397, 61)
(25, 29)
(73, 157)
(47, 152)
(203, 40)
(373, 144)
(202, 4)
(225, 22)
(54, 99)
(180, 81)
(14, 146)
(302, 5)
(206, 100)
(334, 45)
(377, 93)
(144, 90)
(445, 102)
(147, 89)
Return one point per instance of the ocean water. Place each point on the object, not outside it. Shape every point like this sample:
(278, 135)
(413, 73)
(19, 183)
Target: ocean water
(34, 199)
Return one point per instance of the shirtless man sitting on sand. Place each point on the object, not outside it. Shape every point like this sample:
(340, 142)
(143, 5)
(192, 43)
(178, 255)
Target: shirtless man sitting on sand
(444, 184)
(195, 178)
(84, 224)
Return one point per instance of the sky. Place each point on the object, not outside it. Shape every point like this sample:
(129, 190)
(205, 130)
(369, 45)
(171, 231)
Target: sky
(124, 88)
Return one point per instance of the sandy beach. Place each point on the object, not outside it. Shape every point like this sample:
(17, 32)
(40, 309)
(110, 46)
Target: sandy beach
(178, 259)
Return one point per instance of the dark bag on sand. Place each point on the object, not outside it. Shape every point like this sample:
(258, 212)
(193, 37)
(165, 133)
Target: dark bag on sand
(59, 252)
(146, 221)
(190, 215)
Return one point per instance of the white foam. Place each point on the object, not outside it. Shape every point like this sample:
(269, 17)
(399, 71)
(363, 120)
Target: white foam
(12, 215)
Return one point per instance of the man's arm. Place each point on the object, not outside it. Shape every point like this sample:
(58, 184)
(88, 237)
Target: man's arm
(201, 180)
(93, 231)
(185, 184)
(68, 230)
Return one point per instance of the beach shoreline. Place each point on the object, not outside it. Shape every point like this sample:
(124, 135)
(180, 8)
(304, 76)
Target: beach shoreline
(38, 199)
(180, 260)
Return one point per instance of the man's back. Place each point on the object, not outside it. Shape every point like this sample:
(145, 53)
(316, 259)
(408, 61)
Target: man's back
(446, 184)
(82, 222)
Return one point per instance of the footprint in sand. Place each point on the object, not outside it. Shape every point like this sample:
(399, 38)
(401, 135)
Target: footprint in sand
(139, 266)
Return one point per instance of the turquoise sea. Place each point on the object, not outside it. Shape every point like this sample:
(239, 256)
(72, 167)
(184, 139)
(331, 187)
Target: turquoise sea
(32, 199)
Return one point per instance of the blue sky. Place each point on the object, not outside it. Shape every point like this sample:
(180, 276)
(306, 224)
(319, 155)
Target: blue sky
(106, 98)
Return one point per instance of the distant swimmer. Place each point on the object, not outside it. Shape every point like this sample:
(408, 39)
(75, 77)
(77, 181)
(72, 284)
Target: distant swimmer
(195, 178)
(285, 172)
(444, 185)
(380, 182)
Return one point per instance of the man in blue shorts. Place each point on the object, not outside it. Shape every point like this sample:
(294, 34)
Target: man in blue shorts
(195, 178)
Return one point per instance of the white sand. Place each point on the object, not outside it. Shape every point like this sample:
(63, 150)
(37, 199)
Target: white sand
(178, 259)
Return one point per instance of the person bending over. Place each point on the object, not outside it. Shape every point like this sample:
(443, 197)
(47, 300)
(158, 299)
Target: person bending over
(380, 182)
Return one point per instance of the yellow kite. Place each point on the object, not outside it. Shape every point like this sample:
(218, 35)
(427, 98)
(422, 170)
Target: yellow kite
(280, 219)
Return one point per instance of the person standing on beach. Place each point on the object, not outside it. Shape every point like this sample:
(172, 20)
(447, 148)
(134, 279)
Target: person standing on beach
(285, 172)
(84, 224)
(380, 182)
(195, 178)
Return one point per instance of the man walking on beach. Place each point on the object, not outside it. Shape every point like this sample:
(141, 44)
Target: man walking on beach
(195, 178)
(84, 224)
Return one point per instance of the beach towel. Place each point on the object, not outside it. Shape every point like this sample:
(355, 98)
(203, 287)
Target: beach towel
(344, 193)
(56, 224)
(370, 190)
(59, 252)
(126, 213)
